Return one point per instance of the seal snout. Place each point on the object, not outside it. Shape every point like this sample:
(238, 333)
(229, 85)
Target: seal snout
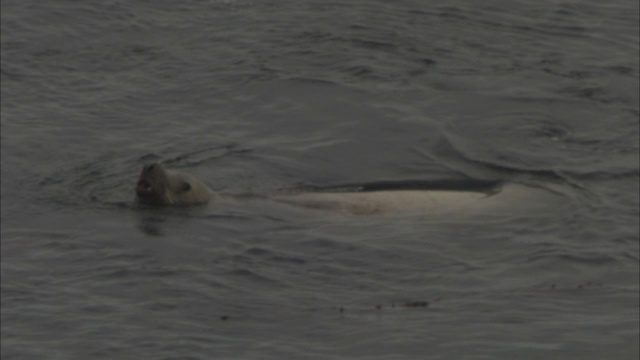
(143, 185)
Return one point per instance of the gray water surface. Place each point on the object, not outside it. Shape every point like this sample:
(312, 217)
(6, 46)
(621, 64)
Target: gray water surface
(259, 96)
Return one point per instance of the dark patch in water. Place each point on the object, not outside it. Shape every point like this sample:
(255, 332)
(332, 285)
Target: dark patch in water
(451, 185)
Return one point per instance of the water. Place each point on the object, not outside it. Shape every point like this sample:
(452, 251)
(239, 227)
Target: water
(258, 96)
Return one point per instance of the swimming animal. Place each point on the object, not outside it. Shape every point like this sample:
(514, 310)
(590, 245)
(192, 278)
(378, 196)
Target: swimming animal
(159, 186)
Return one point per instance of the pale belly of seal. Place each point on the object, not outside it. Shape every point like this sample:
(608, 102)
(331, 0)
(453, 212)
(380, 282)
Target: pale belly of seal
(510, 197)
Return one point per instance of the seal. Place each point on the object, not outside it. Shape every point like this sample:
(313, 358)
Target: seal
(159, 186)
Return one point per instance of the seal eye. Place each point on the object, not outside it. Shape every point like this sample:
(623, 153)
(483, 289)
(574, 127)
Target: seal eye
(186, 186)
(150, 167)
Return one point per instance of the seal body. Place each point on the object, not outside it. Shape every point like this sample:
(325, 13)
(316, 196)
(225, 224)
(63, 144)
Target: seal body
(159, 186)
(507, 198)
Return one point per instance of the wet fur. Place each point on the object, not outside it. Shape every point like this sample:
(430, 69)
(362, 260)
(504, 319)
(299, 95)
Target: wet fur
(159, 186)
(506, 198)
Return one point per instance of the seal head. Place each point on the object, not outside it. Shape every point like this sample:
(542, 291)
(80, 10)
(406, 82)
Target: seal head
(159, 186)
